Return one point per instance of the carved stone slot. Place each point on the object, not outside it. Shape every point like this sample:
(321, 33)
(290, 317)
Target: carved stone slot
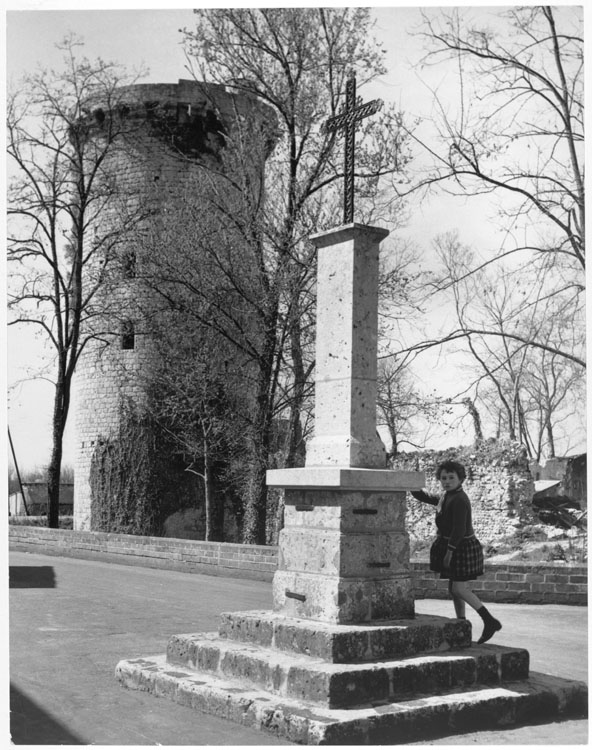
(293, 595)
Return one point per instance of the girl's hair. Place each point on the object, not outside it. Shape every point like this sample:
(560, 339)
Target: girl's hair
(454, 466)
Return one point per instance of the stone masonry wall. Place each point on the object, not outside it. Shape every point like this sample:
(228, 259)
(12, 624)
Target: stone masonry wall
(519, 582)
(498, 484)
(173, 130)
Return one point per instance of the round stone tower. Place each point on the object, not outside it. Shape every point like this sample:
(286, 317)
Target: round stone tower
(172, 136)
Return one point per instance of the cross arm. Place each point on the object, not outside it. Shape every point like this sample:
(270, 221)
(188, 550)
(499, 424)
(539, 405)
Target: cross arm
(349, 118)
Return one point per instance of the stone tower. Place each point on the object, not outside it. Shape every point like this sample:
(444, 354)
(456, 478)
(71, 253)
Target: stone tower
(173, 135)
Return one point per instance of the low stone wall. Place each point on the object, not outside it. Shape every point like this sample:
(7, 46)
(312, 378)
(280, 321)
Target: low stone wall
(214, 558)
(520, 582)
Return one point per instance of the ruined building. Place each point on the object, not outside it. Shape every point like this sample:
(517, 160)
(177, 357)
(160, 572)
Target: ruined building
(172, 144)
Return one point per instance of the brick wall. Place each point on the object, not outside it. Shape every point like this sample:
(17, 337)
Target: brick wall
(511, 582)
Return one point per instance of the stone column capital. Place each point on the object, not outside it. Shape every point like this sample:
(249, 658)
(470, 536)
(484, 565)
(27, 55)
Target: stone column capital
(346, 232)
(346, 478)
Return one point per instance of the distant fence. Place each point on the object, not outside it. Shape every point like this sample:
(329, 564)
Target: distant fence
(520, 582)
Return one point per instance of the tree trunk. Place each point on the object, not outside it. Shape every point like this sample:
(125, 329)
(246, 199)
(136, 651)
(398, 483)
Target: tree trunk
(550, 438)
(295, 455)
(208, 494)
(217, 508)
(394, 443)
(255, 495)
(54, 469)
(475, 416)
(255, 518)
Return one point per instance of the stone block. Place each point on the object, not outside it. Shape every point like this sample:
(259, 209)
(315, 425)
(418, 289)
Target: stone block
(342, 600)
(465, 672)
(488, 669)
(345, 450)
(331, 553)
(567, 587)
(556, 578)
(345, 511)
(578, 579)
(430, 676)
(359, 687)
(181, 650)
(505, 595)
(514, 664)
(347, 643)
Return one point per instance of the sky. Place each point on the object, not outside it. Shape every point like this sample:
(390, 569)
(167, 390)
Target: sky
(144, 35)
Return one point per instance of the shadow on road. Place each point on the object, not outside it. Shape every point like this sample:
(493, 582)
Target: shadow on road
(31, 577)
(31, 725)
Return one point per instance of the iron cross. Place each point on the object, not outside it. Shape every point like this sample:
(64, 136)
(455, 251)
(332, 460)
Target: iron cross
(347, 121)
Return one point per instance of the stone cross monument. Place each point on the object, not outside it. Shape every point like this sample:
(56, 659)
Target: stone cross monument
(342, 658)
(344, 551)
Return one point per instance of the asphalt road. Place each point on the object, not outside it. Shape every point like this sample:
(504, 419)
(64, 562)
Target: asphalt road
(71, 621)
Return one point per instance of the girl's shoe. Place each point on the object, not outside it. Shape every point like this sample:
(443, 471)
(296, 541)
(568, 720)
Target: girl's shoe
(490, 628)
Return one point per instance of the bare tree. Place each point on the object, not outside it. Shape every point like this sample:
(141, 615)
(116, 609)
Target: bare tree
(526, 389)
(401, 406)
(517, 137)
(199, 403)
(58, 253)
(553, 392)
(523, 134)
(295, 61)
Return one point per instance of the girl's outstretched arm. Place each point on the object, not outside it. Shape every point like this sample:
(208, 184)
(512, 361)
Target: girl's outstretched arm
(425, 497)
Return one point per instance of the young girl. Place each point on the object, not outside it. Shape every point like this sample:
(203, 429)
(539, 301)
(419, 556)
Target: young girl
(456, 553)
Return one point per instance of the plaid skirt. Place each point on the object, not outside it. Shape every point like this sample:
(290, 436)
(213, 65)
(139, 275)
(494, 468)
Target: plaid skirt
(466, 563)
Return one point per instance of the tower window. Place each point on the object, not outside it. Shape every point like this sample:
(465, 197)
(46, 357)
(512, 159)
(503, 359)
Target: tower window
(99, 116)
(129, 264)
(128, 336)
(151, 109)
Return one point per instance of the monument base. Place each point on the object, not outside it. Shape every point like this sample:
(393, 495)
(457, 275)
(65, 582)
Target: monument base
(344, 548)
(321, 683)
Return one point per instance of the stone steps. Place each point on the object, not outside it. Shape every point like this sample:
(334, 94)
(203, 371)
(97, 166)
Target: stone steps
(380, 683)
(314, 680)
(345, 644)
(538, 699)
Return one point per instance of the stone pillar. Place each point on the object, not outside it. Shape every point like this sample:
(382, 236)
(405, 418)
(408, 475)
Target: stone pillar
(346, 349)
(344, 549)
